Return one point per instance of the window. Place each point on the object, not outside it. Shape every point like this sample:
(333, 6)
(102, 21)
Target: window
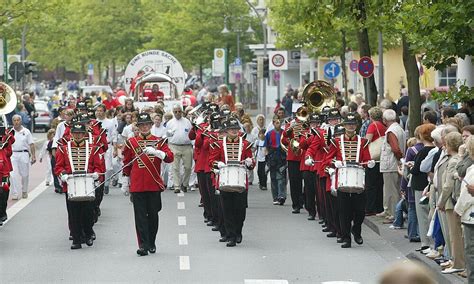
(447, 77)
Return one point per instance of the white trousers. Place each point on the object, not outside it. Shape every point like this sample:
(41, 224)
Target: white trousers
(108, 164)
(49, 170)
(21, 173)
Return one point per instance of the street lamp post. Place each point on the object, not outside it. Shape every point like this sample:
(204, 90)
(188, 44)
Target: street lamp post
(238, 32)
(265, 55)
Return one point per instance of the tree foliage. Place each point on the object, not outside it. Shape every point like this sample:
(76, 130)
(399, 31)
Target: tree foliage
(72, 33)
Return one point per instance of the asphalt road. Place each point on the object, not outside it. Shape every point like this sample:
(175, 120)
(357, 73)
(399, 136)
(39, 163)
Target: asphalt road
(277, 245)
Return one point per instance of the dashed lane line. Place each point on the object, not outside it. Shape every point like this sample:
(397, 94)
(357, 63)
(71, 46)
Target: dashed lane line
(265, 281)
(181, 220)
(184, 263)
(181, 194)
(183, 239)
(181, 206)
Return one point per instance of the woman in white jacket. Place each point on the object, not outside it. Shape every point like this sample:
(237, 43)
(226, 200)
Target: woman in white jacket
(465, 208)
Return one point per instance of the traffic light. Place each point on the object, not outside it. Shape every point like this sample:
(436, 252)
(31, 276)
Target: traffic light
(30, 67)
(265, 68)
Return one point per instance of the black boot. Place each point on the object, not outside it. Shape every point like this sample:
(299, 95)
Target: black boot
(346, 244)
(142, 252)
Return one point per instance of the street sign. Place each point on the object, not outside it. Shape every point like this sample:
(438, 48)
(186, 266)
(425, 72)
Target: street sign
(331, 70)
(156, 61)
(90, 69)
(366, 67)
(238, 61)
(278, 60)
(16, 71)
(219, 62)
(276, 76)
(354, 65)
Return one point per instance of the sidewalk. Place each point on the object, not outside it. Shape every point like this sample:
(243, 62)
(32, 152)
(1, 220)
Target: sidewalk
(397, 239)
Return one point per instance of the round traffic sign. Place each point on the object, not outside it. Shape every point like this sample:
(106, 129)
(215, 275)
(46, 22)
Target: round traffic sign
(278, 60)
(366, 67)
(331, 70)
(219, 53)
(16, 70)
(354, 65)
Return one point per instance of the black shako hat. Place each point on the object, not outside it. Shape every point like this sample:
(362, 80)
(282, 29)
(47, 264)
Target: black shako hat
(339, 129)
(333, 114)
(314, 118)
(81, 106)
(78, 127)
(350, 119)
(144, 118)
(231, 123)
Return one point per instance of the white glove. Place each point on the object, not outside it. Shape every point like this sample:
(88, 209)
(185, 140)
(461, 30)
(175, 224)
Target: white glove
(330, 171)
(64, 177)
(338, 164)
(220, 165)
(155, 152)
(95, 175)
(125, 184)
(309, 162)
(248, 162)
(371, 164)
(170, 132)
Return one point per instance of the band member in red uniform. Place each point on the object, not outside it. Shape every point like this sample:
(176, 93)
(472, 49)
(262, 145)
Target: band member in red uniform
(350, 150)
(293, 131)
(214, 135)
(311, 136)
(7, 138)
(233, 149)
(143, 177)
(79, 157)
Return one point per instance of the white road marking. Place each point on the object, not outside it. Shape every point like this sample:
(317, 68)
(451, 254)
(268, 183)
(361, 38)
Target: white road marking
(181, 206)
(183, 239)
(181, 220)
(340, 282)
(20, 204)
(184, 263)
(265, 281)
(181, 194)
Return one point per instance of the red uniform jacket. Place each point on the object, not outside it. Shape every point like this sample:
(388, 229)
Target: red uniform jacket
(6, 152)
(312, 138)
(218, 154)
(63, 165)
(212, 143)
(201, 148)
(318, 150)
(141, 178)
(286, 138)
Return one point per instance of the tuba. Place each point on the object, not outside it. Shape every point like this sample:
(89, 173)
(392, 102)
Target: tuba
(319, 94)
(8, 99)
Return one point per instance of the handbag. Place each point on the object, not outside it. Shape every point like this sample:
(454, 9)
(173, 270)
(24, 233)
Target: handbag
(375, 147)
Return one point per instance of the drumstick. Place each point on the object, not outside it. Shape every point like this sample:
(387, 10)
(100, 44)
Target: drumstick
(114, 174)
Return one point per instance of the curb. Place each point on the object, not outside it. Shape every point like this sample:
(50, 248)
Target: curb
(415, 256)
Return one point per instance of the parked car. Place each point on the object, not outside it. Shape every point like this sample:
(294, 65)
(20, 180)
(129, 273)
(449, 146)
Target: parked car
(42, 119)
(96, 88)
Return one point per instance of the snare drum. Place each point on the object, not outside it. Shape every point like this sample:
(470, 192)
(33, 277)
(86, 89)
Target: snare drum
(351, 179)
(232, 178)
(80, 188)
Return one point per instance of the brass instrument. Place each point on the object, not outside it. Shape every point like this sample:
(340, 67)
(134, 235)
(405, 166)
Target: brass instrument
(319, 94)
(8, 99)
(316, 95)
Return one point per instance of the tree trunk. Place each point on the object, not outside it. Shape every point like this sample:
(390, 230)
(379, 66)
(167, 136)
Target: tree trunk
(364, 50)
(413, 78)
(344, 67)
(200, 72)
(83, 69)
(113, 73)
(99, 73)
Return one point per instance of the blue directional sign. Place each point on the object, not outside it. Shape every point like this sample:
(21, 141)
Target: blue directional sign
(238, 61)
(332, 70)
